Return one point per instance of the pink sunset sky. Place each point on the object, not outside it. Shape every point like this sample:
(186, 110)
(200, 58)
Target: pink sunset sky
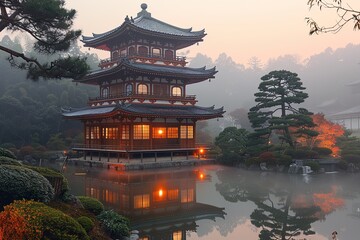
(241, 29)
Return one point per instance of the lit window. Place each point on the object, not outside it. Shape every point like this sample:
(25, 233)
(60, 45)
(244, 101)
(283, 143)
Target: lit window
(141, 201)
(87, 132)
(159, 132)
(142, 89)
(125, 201)
(141, 132)
(95, 133)
(125, 132)
(177, 235)
(159, 195)
(156, 52)
(187, 195)
(144, 238)
(129, 89)
(110, 133)
(173, 132)
(186, 132)
(173, 194)
(176, 92)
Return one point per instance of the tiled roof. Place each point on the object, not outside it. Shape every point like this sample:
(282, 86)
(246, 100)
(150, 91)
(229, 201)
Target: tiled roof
(158, 70)
(145, 22)
(144, 109)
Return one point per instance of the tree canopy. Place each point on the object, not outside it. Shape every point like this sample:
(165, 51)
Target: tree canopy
(275, 112)
(345, 14)
(49, 23)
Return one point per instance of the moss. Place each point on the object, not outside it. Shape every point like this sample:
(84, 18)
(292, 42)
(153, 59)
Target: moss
(7, 153)
(86, 223)
(91, 204)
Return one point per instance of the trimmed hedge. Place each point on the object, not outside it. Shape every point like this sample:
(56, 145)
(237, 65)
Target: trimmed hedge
(52, 223)
(91, 204)
(57, 180)
(9, 161)
(116, 225)
(7, 153)
(22, 183)
(86, 223)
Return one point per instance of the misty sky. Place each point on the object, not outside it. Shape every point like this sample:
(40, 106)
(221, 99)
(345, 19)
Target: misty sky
(242, 29)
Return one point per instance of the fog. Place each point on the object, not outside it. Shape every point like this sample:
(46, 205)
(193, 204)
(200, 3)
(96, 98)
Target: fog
(331, 78)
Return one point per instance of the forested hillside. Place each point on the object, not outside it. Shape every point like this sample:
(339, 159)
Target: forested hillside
(30, 112)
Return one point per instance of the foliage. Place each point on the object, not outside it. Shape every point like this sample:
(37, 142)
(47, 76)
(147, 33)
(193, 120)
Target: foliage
(351, 158)
(49, 23)
(232, 139)
(315, 166)
(91, 204)
(301, 153)
(350, 148)
(22, 183)
(322, 151)
(56, 142)
(328, 132)
(52, 223)
(17, 223)
(275, 113)
(86, 223)
(267, 157)
(7, 153)
(345, 14)
(9, 161)
(53, 176)
(116, 225)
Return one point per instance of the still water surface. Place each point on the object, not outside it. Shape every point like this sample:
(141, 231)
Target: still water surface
(217, 202)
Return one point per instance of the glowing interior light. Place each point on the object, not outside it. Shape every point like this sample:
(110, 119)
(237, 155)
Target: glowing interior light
(160, 131)
(201, 150)
(161, 193)
(201, 176)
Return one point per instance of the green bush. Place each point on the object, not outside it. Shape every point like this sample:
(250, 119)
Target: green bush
(252, 161)
(116, 225)
(9, 161)
(86, 223)
(301, 153)
(7, 153)
(268, 158)
(315, 166)
(322, 151)
(53, 176)
(91, 204)
(53, 223)
(283, 159)
(22, 183)
(229, 158)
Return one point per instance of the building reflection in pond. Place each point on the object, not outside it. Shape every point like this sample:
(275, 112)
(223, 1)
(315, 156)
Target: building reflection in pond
(161, 205)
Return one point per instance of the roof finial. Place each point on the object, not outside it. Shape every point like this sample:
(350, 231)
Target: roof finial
(144, 6)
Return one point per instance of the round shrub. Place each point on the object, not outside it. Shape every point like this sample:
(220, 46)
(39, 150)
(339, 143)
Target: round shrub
(86, 223)
(267, 157)
(315, 166)
(323, 151)
(284, 160)
(9, 161)
(7, 153)
(22, 183)
(91, 204)
(52, 223)
(116, 225)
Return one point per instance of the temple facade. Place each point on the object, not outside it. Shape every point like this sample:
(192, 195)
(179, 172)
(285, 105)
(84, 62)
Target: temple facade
(143, 104)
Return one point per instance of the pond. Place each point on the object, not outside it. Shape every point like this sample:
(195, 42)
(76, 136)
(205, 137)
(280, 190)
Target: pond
(217, 202)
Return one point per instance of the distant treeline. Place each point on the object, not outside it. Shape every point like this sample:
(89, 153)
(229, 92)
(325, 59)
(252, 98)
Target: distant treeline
(30, 112)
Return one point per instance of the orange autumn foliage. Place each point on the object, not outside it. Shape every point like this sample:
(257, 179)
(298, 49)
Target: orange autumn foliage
(16, 223)
(328, 133)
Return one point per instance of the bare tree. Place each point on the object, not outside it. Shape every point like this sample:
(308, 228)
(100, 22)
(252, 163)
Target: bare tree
(345, 14)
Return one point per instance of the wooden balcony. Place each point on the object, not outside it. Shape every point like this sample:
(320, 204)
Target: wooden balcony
(142, 97)
(177, 61)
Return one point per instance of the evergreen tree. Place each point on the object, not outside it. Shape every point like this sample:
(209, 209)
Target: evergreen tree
(49, 23)
(275, 112)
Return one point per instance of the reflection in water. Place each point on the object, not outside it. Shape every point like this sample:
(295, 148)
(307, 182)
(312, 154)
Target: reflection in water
(161, 205)
(182, 203)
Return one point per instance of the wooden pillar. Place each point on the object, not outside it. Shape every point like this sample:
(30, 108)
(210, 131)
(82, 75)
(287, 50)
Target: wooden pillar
(187, 155)
(118, 157)
(99, 156)
(155, 156)
(108, 157)
(171, 156)
(91, 157)
(142, 156)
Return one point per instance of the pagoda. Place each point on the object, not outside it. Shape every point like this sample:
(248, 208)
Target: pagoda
(142, 105)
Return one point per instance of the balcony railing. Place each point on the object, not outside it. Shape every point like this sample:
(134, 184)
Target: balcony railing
(178, 60)
(128, 96)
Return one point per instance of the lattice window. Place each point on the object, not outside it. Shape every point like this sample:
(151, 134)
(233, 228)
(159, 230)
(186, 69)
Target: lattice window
(141, 131)
(125, 132)
(186, 132)
(173, 132)
(187, 195)
(142, 89)
(141, 201)
(159, 132)
(110, 133)
(176, 92)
